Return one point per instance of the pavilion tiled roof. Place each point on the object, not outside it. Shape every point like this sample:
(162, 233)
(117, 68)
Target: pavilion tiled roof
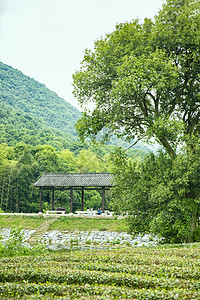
(75, 180)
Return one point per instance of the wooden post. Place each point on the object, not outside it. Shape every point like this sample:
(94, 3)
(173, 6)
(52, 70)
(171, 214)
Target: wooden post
(40, 206)
(103, 199)
(52, 200)
(71, 200)
(82, 198)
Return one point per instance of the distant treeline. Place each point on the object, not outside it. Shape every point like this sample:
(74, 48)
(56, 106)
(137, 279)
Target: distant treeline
(22, 165)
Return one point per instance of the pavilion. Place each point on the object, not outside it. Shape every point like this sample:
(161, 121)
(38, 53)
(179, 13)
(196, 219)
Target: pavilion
(72, 182)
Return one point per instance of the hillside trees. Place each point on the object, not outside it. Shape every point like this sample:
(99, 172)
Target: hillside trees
(144, 79)
(34, 103)
(22, 165)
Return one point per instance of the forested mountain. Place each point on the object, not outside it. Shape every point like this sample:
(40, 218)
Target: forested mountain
(33, 114)
(34, 99)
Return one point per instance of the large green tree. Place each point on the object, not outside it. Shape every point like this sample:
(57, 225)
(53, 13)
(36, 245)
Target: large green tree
(144, 78)
(161, 196)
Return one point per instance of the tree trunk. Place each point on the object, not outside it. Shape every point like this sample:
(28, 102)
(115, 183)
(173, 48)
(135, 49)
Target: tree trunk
(193, 227)
(168, 147)
(2, 191)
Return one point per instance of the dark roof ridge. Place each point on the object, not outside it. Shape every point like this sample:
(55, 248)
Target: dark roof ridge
(78, 173)
(75, 179)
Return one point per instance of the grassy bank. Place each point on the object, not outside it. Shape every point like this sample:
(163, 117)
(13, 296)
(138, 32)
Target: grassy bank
(64, 223)
(26, 222)
(85, 224)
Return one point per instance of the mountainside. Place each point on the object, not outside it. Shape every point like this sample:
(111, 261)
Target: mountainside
(31, 113)
(28, 108)
(33, 98)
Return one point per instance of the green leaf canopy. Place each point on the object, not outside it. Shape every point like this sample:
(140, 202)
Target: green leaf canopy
(143, 79)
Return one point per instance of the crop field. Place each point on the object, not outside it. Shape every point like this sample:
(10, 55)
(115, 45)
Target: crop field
(116, 273)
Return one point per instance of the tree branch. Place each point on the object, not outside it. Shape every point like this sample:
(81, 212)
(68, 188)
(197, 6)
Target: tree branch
(135, 142)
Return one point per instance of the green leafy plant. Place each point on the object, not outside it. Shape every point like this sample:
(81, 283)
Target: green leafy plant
(15, 245)
(88, 242)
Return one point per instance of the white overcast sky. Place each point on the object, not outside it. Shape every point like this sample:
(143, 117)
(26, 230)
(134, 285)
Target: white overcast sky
(46, 39)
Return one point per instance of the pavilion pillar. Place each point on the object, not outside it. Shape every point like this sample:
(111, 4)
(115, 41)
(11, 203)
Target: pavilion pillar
(52, 200)
(82, 204)
(40, 204)
(103, 199)
(71, 200)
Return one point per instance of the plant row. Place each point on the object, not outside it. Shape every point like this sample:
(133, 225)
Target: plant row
(129, 273)
(55, 291)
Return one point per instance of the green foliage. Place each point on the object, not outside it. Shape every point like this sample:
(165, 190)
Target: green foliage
(15, 128)
(122, 273)
(161, 196)
(37, 135)
(32, 114)
(143, 79)
(22, 165)
(15, 245)
(35, 105)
